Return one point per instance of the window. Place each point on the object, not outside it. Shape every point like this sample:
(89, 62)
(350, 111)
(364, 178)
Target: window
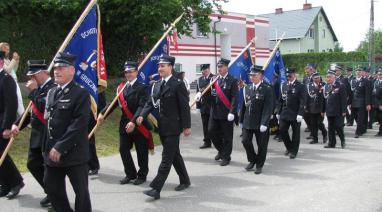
(310, 50)
(323, 50)
(320, 18)
(311, 33)
(323, 33)
(200, 34)
(178, 67)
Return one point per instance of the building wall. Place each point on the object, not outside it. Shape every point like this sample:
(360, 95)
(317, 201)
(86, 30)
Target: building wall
(326, 38)
(234, 32)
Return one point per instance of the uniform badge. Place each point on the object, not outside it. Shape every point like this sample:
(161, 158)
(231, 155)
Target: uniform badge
(213, 92)
(293, 90)
(66, 90)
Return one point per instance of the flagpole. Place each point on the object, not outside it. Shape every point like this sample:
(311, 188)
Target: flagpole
(172, 26)
(62, 47)
(23, 117)
(273, 51)
(233, 61)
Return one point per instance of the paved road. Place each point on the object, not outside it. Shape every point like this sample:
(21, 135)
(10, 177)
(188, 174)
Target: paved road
(317, 180)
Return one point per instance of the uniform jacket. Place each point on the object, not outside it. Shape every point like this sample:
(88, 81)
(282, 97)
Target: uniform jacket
(67, 125)
(174, 109)
(292, 100)
(205, 102)
(230, 88)
(8, 101)
(361, 92)
(335, 96)
(315, 102)
(257, 107)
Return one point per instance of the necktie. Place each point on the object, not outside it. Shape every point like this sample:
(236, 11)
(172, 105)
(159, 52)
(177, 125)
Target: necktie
(57, 93)
(162, 85)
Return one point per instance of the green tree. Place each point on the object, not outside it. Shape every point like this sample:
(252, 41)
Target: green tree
(364, 45)
(36, 28)
(338, 47)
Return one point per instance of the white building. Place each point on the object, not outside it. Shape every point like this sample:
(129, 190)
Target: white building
(234, 32)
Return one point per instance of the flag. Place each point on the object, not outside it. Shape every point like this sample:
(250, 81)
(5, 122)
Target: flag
(240, 69)
(149, 70)
(174, 40)
(90, 67)
(275, 68)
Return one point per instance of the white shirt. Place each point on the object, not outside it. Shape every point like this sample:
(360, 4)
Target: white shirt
(62, 87)
(255, 86)
(290, 83)
(223, 77)
(131, 83)
(46, 81)
(167, 78)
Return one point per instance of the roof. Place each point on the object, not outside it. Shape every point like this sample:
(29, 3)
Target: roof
(295, 23)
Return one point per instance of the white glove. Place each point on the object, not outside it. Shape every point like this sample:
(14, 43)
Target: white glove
(198, 96)
(299, 118)
(230, 117)
(197, 110)
(263, 128)
(278, 116)
(241, 125)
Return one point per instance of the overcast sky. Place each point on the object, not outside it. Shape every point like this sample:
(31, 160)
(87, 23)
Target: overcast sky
(350, 19)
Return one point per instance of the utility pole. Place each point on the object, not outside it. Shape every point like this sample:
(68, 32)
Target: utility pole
(371, 37)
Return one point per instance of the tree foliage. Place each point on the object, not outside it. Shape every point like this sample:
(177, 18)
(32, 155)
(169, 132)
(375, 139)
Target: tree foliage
(364, 45)
(36, 28)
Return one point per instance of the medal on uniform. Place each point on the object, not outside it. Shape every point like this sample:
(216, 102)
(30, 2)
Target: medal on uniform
(66, 90)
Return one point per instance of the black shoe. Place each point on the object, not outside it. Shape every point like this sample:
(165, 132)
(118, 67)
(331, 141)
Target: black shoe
(250, 166)
(277, 137)
(45, 202)
(15, 191)
(4, 191)
(218, 157)
(139, 181)
(51, 209)
(93, 172)
(125, 180)
(258, 170)
(356, 136)
(181, 187)
(325, 139)
(378, 135)
(349, 124)
(328, 146)
(153, 193)
(286, 153)
(307, 130)
(309, 137)
(292, 156)
(313, 142)
(224, 162)
(204, 146)
(370, 127)
(343, 145)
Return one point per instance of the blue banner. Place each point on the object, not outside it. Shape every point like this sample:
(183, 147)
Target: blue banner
(274, 73)
(149, 70)
(84, 45)
(240, 68)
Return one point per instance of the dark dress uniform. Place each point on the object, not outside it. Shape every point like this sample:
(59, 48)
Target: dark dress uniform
(220, 129)
(38, 96)
(136, 97)
(67, 114)
(171, 96)
(307, 116)
(361, 98)
(377, 93)
(315, 105)
(256, 111)
(204, 105)
(370, 114)
(292, 102)
(335, 96)
(349, 114)
(9, 174)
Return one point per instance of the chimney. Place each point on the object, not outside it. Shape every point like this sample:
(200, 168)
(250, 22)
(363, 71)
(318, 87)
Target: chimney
(279, 10)
(307, 6)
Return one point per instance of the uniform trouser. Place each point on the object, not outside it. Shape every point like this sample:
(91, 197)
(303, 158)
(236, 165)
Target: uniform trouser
(352, 116)
(317, 123)
(35, 165)
(205, 119)
(93, 160)
(361, 120)
(9, 174)
(262, 139)
(291, 145)
(221, 132)
(371, 114)
(307, 119)
(336, 124)
(126, 142)
(55, 186)
(379, 119)
(170, 157)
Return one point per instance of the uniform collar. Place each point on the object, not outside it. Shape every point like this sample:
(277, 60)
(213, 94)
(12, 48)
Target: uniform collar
(167, 78)
(255, 86)
(291, 83)
(223, 77)
(131, 83)
(46, 81)
(64, 86)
